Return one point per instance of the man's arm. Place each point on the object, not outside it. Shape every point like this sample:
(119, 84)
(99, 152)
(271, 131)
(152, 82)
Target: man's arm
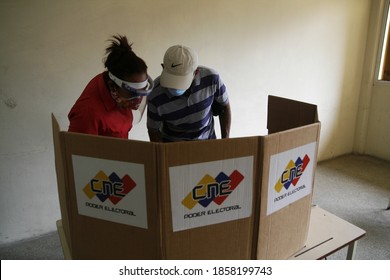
(155, 135)
(225, 121)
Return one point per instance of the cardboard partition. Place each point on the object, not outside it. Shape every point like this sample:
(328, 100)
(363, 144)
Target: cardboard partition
(208, 195)
(241, 198)
(62, 184)
(285, 114)
(288, 168)
(289, 160)
(110, 196)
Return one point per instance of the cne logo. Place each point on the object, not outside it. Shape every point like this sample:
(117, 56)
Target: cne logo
(109, 187)
(292, 173)
(212, 189)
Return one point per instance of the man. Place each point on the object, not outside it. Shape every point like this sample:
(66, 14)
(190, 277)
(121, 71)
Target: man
(185, 99)
(107, 105)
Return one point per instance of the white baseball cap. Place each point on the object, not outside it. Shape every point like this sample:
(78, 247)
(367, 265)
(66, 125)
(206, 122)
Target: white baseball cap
(180, 63)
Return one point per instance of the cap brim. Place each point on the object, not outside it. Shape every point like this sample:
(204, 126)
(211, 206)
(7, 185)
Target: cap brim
(177, 82)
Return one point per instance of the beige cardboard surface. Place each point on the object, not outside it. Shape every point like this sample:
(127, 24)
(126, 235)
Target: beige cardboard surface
(101, 239)
(125, 199)
(61, 173)
(284, 232)
(224, 240)
(284, 114)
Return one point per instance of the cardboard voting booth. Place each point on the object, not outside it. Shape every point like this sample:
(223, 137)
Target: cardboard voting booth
(239, 198)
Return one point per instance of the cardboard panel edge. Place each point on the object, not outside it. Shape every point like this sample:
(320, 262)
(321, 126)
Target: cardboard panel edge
(60, 167)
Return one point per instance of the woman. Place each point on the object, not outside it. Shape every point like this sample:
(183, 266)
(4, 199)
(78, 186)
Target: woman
(108, 103)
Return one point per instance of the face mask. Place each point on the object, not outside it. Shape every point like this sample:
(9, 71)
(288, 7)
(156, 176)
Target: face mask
(176, 92)
(134, 103)
(127, 103)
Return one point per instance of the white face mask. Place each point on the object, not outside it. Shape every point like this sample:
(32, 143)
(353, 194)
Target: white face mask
(176, 92)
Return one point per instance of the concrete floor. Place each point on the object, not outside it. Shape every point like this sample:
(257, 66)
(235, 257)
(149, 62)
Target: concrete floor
(357, 189)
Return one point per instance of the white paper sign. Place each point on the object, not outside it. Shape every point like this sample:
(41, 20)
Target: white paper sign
(110, 190)
(211, 192)
(290, 176)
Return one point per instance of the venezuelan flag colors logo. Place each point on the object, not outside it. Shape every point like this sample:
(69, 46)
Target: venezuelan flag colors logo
(212, 192)
(210, 189)
(292, 173)
(110, 187)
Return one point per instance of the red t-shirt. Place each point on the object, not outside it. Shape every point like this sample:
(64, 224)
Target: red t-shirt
(96, 112)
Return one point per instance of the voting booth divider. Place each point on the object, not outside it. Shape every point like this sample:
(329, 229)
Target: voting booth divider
(239, 198)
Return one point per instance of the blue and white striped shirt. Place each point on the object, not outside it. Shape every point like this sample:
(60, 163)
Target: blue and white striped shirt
(189, 116)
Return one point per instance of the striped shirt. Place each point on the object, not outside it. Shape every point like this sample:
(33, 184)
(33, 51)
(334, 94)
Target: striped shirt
(189, 116)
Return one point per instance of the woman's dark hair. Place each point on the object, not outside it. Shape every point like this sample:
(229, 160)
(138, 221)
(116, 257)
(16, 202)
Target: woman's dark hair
(121, 60)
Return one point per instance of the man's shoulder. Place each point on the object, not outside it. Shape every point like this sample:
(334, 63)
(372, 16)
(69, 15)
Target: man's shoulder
(208, 76)
(206, 71)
